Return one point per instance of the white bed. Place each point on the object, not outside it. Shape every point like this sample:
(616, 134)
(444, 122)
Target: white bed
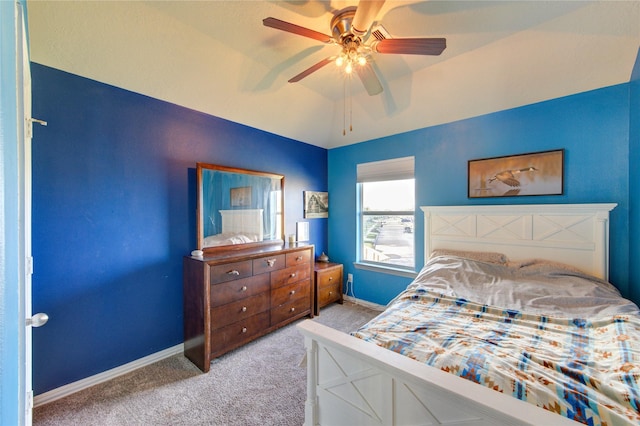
(351, 381)
(238, 227)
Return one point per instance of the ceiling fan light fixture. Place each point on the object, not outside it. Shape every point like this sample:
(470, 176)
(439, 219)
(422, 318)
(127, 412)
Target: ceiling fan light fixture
(348, 68)
(352, 54)
(350, 62)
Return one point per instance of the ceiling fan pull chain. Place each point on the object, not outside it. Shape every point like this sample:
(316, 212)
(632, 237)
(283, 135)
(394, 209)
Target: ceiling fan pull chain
(350, 107)
(344, 108)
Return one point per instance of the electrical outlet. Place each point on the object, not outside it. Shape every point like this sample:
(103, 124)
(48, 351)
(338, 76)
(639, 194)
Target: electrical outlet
(349, 278)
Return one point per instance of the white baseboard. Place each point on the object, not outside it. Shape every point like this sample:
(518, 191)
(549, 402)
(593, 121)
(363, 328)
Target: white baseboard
(66, 390)
(364, 303)
(74, 387)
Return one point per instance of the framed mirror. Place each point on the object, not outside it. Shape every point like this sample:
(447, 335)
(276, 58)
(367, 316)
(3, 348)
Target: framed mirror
(238, 207)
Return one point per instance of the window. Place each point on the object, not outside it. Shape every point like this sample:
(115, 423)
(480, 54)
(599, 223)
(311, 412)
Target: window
(386, 213)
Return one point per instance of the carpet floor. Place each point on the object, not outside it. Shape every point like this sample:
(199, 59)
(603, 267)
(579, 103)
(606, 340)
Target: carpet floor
(261, 383)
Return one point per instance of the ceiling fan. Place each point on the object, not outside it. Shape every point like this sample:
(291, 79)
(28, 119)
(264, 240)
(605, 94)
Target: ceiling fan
(351, 29)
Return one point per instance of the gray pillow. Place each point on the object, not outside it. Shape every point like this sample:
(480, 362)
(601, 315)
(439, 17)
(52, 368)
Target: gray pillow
(480, 256)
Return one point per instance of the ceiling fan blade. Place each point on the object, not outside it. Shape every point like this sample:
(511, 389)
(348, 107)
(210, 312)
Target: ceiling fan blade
(411, 46)
(369, 79)
(296, 29)
(312, 69)
(365, 15)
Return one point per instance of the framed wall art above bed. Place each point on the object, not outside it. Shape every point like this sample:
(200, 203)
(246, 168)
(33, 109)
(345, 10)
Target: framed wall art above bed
(538, 173)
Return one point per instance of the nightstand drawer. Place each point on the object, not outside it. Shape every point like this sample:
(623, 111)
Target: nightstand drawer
(329, 277)
(328, 294)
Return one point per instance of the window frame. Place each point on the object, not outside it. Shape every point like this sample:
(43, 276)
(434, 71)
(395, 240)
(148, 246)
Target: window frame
(361, 263)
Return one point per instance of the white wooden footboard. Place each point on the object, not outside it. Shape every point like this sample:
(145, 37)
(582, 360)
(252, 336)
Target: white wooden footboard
(353, 382)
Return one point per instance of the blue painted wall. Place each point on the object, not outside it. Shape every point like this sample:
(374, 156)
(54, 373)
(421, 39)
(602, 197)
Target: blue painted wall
(114, 211)
(634, 179)
(592, 127)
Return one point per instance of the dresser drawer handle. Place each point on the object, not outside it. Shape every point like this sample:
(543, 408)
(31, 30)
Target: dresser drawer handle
(292, 310)
(271, 262)
(244, 329)
(292, 275)
(244, 288)
(233, 272)
(244, 308)
(292, 292)
(330, 278)
(299, 258)
(330, 293)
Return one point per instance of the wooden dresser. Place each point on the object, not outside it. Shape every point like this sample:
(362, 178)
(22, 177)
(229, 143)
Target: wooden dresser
(235, 296)
(328, 282)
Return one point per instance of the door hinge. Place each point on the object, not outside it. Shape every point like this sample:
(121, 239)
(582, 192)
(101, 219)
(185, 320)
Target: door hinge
(30, 121)
(29, 265)
(29, 405)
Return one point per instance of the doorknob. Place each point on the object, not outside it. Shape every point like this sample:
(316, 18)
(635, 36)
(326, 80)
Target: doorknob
(38, 320)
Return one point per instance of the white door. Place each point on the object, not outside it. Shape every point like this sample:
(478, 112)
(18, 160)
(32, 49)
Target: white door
(23, 76)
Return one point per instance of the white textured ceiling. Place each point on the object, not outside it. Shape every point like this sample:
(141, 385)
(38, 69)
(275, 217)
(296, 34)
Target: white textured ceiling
(218, 58)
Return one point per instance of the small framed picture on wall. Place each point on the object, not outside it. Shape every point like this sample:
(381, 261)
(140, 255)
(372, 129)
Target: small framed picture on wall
(316, 204)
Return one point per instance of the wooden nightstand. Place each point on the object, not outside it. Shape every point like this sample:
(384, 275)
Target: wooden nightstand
(328, 282)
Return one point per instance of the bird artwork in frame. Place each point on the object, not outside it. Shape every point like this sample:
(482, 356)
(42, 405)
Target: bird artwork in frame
(538, 173)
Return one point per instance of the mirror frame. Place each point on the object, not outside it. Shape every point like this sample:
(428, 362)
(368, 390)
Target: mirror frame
(200, 213)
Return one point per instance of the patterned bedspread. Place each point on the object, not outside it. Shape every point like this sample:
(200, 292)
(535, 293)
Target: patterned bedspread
(585, 369)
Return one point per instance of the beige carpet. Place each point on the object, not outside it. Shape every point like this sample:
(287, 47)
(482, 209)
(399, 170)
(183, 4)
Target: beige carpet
(258, 384)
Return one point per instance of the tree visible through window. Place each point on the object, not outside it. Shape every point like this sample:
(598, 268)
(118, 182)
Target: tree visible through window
(387, 222)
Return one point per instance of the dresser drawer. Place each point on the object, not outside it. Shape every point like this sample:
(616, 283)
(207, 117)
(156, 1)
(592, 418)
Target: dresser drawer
(231, 271)
(289, 275)
(238, 332)
(287, 311)
(268, 264)
(240, 310)
(224, 293)
(298, 257)
(290, 292)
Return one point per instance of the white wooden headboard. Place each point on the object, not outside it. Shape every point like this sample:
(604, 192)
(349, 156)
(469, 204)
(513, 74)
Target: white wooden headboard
(575, 234)
(246, 221)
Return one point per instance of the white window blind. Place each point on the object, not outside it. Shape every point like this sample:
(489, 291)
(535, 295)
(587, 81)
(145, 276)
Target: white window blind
(393, 169)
